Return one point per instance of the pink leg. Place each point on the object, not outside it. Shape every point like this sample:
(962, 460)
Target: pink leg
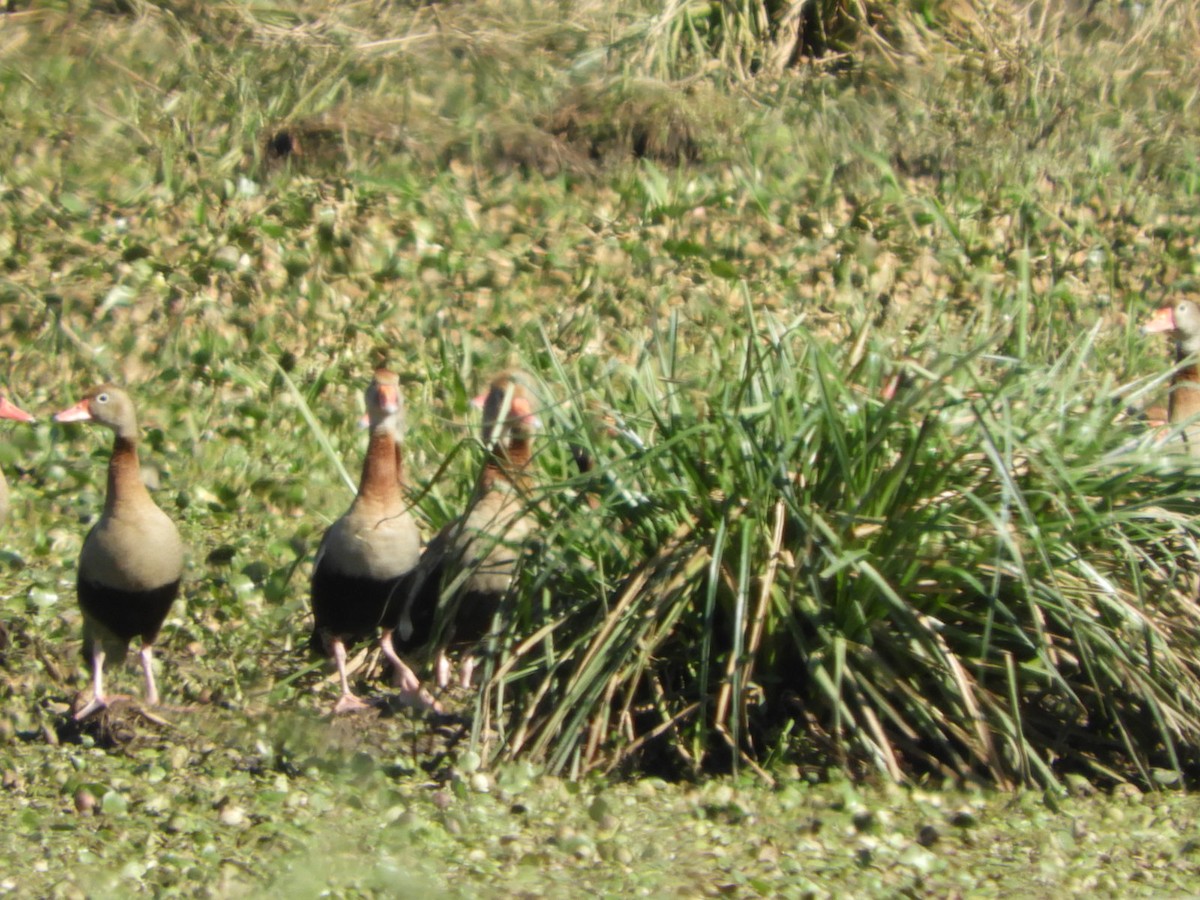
(98, 702)
(442, 669)
(147, 656)
(402, 676)
(348, 700)
(465, 671)
(405, 678)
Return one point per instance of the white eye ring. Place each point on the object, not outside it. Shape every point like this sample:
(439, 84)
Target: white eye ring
(102, 398)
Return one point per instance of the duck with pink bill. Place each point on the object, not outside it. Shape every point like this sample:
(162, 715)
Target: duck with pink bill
(1181, 321)
(470, 565)
(367, 556)
(9, 410)
(132, 559)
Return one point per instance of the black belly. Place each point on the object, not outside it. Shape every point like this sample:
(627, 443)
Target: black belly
(351, 607)
(127, 614)
(413, 609)
(461, 616)
(474, 613)
(465, 615)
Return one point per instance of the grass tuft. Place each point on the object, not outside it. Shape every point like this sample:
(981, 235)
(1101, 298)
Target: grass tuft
(926, 583)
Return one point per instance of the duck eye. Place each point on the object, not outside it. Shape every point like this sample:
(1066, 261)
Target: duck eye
(102, 398)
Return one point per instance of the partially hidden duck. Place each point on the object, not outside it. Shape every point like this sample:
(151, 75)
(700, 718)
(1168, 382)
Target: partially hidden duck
(9, 410)
(366, 557)
(132, 559)
(470, 565)
(1182, 322)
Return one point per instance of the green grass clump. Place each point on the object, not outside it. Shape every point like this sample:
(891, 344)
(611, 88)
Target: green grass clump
(786, 561)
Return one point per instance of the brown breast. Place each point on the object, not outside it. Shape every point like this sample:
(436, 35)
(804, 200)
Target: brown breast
(134, 546)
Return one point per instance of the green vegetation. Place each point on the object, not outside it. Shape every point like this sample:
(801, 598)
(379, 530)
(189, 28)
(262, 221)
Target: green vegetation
(717, 236)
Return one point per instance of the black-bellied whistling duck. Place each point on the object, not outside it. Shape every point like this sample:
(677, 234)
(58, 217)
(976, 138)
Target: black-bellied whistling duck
(359, 575)
(132, 559)
(9, 410)
(1182, 322)
(470, 565)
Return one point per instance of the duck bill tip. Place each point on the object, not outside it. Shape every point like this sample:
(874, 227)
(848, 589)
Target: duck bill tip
(1162, 320)
(388, 397)
(77, 413)
(9, 410)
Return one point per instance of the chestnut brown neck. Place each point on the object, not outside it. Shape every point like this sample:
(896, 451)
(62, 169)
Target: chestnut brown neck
(1184, 401)
(383, 472)
(508, 463)
(1187, 373)
(125, 486)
